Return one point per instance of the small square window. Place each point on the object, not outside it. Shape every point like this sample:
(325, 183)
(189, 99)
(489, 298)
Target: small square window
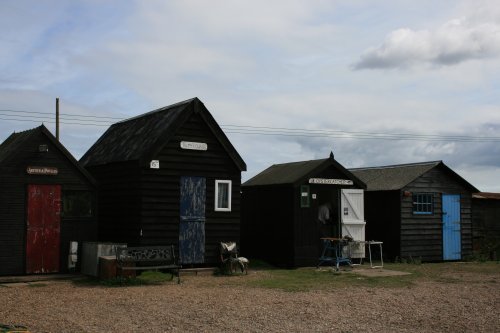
(304, 196)
(223, 195)
(76, 204)
(423, 203)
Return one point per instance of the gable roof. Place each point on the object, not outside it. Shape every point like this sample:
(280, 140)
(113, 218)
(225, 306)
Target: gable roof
(16, 140)
(396, 177)
(295, 172)
(12, 144)
(142, 137)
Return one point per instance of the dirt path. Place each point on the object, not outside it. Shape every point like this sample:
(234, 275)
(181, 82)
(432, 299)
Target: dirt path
(211, 304)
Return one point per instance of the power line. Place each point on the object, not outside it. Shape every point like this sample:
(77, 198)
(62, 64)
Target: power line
(53, 122)
(51, 119)
(301, 130)
(254, 130)
(51, 114)
(346, 135)
(238, 129)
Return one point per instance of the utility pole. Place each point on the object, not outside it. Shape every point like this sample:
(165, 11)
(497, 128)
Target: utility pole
(57, 118)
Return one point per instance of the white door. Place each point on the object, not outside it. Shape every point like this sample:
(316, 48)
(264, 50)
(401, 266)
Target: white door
(352, 212)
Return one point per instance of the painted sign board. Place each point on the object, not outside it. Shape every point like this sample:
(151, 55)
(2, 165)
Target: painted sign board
(330, 181)
(40, 170)
(154, 164)
(194, 145)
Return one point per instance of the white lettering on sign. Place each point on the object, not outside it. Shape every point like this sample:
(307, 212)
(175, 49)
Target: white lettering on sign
(154, 164)
(46, 171)
(194, 145)
(331, 181)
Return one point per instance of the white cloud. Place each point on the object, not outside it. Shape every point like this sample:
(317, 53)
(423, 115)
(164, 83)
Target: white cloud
(261, 63)
(454, 42)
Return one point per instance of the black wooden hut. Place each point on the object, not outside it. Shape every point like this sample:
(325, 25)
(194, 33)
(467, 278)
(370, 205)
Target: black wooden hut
(46, 201)
(421, 210)
(280, 210)
(486, 225)
(170, 176)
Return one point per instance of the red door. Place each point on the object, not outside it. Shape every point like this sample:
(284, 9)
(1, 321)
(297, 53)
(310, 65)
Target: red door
(43, 229)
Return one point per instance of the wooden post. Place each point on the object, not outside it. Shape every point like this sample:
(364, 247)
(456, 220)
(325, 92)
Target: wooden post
(57, 118)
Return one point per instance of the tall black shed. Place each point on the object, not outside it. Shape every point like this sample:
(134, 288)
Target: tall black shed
(486, 224)
(419, 210)
(281, 204)
(170, 176)
(46, 201)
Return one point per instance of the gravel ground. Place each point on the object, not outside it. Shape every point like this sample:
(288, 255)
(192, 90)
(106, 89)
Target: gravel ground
(205, 303)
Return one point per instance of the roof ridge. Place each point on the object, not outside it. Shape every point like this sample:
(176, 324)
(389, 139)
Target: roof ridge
(28, 130)
(187, 101)
(394, 166)
(297, 162)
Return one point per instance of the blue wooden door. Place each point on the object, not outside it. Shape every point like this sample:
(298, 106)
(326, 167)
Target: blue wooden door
(192, 220)
(451, 227)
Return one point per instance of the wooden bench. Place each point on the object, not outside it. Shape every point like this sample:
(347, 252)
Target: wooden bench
(148, 258)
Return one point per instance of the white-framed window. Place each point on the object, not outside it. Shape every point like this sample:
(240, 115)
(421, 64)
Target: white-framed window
(223, 195)
(423, 204)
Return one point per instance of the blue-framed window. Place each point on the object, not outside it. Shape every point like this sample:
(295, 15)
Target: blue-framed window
(423, 203)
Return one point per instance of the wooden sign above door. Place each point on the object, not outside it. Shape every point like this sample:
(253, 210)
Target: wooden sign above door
(40, 170)
(330, 181)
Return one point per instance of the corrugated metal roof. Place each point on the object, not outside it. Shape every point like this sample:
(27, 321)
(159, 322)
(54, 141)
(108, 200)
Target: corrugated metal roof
(392, 177)
(141, 136)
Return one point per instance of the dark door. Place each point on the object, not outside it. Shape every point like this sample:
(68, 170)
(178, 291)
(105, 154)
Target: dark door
(451, 227)
(43, 229)
(192, 220)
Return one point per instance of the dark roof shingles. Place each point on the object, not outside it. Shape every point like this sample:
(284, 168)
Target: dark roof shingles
(128, 140)
(15, 141)
(12, 143)
(142, 136)
(393, 177)
(285, 173)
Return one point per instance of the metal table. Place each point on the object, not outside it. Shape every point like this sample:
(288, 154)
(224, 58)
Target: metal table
(379, 243)
(369, 244)
(332, 252)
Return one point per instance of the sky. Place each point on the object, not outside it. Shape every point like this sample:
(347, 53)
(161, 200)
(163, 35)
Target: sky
(376, 82)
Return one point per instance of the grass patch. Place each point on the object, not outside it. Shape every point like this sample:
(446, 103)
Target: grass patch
(263, 275)
(306, 279)
(154, 277)
(258, 264)
(435, 271)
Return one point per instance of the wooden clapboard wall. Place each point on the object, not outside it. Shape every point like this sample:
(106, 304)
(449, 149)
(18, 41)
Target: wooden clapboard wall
(140, 204)
(389, 209)
(18, 152)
